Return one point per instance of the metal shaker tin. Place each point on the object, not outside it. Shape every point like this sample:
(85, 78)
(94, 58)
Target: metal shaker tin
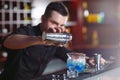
(57, 37)
(97, 58)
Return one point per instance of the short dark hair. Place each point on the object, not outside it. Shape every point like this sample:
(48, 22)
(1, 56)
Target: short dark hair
(56, 6)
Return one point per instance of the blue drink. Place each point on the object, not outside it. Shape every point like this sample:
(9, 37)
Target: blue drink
(71, 73)
(79, 66)
(70, 64)
(75, 64)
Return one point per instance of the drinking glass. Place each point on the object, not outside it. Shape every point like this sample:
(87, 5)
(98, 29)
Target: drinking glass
(75, 64)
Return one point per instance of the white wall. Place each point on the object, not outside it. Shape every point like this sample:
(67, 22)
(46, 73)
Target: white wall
(38, 8)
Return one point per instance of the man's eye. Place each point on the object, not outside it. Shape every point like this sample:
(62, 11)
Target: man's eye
(63, 26)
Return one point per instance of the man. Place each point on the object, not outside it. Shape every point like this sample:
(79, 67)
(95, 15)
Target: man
(28, 54)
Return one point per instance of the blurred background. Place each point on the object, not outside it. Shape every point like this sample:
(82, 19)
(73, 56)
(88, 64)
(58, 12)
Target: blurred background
(94, 24)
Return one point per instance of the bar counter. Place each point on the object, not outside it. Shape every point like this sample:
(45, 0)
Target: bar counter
(113, 74)
(109, 72)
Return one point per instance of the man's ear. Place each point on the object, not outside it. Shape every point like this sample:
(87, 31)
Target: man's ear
(43, 18)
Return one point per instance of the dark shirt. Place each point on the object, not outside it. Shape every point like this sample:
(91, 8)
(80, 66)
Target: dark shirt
(29, 63)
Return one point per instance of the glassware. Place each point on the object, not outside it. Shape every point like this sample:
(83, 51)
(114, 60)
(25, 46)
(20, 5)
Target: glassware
(75, 64)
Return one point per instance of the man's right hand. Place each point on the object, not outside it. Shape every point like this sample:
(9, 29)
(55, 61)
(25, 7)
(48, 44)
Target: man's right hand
(56, 30)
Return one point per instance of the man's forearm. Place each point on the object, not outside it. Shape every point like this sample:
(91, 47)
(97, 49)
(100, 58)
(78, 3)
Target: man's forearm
(21, 41)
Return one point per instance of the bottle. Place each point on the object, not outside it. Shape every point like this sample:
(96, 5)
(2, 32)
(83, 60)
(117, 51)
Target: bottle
(57, 37)
(95, 38)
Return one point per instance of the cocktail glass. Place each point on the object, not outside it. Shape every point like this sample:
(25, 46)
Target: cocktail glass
(75, 64)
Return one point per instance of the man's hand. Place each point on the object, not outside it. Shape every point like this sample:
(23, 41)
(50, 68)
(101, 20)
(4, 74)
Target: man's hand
(56, 30)
(49, 43)
(91, 61)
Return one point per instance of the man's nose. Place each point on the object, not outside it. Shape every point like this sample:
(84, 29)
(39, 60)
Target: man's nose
(58, 25)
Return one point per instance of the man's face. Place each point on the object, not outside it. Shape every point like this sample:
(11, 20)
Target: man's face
(55, 23)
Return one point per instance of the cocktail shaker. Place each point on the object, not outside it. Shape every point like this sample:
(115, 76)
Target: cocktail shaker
(97, 58)
(57, 37)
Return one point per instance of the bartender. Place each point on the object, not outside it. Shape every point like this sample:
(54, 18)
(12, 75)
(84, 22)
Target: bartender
(28, 53)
